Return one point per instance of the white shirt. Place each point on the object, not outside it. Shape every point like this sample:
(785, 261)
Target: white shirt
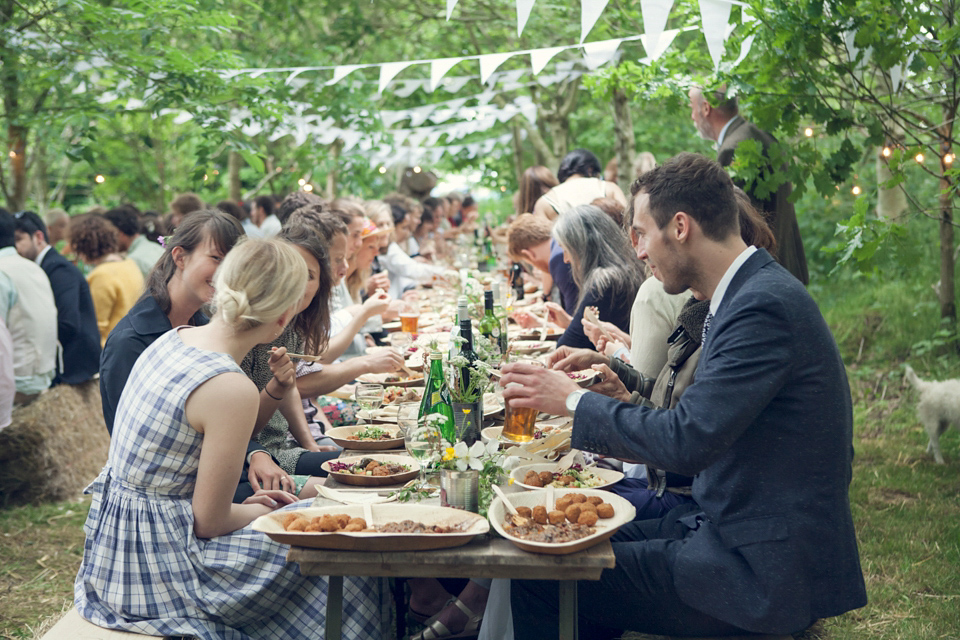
(721, 289)
(723, 132)
(271, 226)
(41, 255)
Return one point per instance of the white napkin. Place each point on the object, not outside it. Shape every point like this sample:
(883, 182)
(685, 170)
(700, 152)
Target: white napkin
(353, 498)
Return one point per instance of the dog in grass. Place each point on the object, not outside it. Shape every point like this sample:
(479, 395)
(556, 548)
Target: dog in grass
(939, 407)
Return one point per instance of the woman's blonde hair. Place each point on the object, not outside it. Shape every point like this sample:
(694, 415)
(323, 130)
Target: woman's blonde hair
(257, 282)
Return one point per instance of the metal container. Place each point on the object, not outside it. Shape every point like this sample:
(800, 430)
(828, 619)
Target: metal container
(460, 489)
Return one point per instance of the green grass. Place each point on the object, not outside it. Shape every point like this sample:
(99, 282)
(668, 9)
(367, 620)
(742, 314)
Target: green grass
(906, 508)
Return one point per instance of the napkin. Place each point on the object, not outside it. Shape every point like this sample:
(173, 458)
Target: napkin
(353, 498)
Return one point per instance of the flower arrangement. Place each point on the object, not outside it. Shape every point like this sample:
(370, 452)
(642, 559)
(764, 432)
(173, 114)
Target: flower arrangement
(465, 390)
(484, 458)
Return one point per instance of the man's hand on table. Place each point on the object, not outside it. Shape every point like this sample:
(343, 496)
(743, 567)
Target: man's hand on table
(537, 387)
(609, 384)
(570, 359)
(263, 473)
(382, 361)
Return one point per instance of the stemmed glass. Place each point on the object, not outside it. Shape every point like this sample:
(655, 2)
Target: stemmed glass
(369, 396)
(421, 440)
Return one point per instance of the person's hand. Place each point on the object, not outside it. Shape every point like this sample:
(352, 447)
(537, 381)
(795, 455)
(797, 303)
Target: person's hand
(282, 368)
(263, 473)
(609, 348)
(317, 448)
(377, 281)
(273, 499)
(617, 333)
(609, 384)
(570, 359)
(525, 320)
(382, 361)
(411, 296)
(376, 304)
(536, 387)
(557, 315)
(593, 332)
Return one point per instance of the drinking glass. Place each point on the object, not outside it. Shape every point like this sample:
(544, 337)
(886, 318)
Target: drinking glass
(409, 318)
(421, 440)
(369, 396)
(519, 422)
(400, 341)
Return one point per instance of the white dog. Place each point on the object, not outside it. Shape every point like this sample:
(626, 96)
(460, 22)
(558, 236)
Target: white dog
(939, 407)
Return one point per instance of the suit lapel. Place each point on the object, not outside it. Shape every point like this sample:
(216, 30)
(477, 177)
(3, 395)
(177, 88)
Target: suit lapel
(754, 263)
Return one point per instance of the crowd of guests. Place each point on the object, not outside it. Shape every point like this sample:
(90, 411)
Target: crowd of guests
(722, 396)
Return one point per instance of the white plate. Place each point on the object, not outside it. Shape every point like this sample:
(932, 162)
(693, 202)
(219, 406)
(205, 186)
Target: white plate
(375, 481)
(381, 378)
(475, 525)
(623, 512)
(530, 347)
(341, 435)
(608, 476)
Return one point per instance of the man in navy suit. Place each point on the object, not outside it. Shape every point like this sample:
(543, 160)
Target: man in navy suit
(766, 429)
(76, 319)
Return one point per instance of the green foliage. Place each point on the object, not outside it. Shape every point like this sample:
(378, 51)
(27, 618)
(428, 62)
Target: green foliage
(860, 237)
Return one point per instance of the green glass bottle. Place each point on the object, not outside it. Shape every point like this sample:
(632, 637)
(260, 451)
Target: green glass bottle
(489, 325)
(436, 398)
(500, 314)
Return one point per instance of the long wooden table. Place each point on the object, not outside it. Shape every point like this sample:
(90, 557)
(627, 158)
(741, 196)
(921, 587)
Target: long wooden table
(488, 556)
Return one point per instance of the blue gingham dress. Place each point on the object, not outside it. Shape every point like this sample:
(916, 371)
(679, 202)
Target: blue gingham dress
(143, 568)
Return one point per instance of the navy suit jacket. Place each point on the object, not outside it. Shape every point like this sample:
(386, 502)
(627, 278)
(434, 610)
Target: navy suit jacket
(767, 429)
(76, 320)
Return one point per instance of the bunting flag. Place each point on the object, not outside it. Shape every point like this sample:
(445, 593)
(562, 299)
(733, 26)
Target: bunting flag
(341, 72)
(450, 5)
(523, 14)
(590, 11)
(664, 42)
(715, 17)
(540, 57)
(490, 62)
(655, 14)
(390, 70)
(600, 52)
(439, 68)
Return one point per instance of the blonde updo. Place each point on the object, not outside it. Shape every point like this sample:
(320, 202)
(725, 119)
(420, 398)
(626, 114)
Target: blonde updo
(257, 282)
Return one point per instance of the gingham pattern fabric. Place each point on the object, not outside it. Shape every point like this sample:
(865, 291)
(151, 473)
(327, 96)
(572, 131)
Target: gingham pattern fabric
(143, 568)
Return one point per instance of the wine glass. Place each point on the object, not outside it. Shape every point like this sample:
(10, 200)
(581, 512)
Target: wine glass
(369, 396)
(421, 440)
(400, 341)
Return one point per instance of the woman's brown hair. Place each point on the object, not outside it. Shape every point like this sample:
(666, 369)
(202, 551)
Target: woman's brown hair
(753, 228)
(222, 228)
(313, 323)
(534, 182)
(92, 237)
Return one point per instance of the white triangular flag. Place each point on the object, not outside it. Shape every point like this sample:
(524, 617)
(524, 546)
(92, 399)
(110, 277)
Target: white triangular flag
(600, 52)
(407, 87)
(715, 16)
(439, 68)
(666, 39)
(295, 73)
(389, 70)
(590, 11)
(523, 13)
(450, 5)
(419, 115)
(454, 85)
(341, 72)
(540, 57)
(490, 62)
(391, 118)
(745, 48)
(655, 14)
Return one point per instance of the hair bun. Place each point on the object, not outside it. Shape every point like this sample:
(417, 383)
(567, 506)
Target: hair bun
(234, 305)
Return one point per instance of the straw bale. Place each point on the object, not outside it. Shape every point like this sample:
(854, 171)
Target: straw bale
(54, 447)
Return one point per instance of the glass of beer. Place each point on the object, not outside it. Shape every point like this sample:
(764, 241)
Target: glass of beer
(409, 319)
(519, 422)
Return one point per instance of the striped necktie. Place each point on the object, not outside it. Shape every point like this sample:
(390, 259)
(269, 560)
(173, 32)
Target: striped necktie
(706, 329)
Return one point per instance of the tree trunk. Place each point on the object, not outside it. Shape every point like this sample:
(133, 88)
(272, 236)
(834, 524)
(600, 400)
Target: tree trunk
(624, 140)
(335, 149)
(948, 305)
(233, 176)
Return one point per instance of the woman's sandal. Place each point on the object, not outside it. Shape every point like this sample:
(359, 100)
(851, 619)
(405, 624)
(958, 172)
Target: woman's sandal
(436, 630)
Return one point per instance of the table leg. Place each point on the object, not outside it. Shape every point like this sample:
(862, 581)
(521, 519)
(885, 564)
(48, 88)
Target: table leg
(568, 610)
(334, 608)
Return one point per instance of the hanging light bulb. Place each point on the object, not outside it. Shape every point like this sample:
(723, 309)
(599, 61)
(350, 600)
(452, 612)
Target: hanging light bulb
(808, 132)
(100, 179)
(948, 158)
(886, 152)
(382, 169)
(417, 169)
(301, 182)
(856, 190)
(918, 158)
(308, 187)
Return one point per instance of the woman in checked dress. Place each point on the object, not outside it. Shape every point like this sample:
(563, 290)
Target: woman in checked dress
(166, 551)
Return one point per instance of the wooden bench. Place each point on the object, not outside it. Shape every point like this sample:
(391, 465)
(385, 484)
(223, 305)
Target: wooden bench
(72, 627)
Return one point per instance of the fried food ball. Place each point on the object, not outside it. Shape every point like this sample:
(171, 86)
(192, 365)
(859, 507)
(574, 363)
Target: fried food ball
(287, 518)
(328, 523)
(563, 503)
(540, 514)
(605, 510)
(556, 516)
(373, 464)
(312, 527)
(588, 506)
(358, 521)
(532, 479)
(588, 518)
(579, 497)
(525, 512)
(299, 524)
(342, 519)
(565, 480)
(545, 478)
(381, 471)
(353, 527)
(573, 513)
(595, 500)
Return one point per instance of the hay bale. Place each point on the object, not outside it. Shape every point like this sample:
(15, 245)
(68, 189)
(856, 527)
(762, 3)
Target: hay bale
(54, 447)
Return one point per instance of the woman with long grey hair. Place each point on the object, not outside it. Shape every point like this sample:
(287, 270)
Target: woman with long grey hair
(604, 267)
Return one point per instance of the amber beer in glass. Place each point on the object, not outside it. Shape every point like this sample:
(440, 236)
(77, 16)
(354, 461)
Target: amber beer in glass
(518, 423)
(409, 322)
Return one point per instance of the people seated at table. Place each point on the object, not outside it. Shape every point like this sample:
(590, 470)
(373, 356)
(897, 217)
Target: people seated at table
(405, 272)
(766, 429)
(126, 220)
(530, 239)
(115, 282)
(77, 330)
(581, 182)
(604, 267)
(28, 309)
(166, 552)
(534, 183)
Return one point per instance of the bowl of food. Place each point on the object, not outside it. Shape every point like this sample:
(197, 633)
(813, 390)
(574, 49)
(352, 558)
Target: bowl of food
(367, 437)
(572, 521)
(531, 347)
(538, 476)
(378, 527)
(397, 379)
(584, 377)
(372, 470)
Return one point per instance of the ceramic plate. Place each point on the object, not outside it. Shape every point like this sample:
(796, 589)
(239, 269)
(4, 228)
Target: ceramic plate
(471, 524)
(607, 476)
(341, 435)
(623, 512)
(374, 481)
(530, 347)
(389, 379)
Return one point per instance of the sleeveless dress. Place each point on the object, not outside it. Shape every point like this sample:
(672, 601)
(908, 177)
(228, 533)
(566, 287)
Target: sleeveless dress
(143, 568)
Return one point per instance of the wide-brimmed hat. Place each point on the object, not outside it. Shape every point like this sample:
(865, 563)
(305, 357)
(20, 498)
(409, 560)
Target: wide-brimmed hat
(370, 230)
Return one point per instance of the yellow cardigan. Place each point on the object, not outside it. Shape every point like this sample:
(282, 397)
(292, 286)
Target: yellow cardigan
(115, 287)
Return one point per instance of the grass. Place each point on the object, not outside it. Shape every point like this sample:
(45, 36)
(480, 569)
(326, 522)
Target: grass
(906, 508)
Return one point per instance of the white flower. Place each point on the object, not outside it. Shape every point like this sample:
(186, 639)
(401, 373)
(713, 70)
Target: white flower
(472, 457)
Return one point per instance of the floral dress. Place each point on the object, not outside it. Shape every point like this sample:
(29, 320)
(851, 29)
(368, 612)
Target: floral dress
(144, 569)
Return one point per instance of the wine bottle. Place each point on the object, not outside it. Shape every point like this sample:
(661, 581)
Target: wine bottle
(501, 314)
(516, 281)
(436, 398)
(489, 325)
(463, 311)
(469, 429)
